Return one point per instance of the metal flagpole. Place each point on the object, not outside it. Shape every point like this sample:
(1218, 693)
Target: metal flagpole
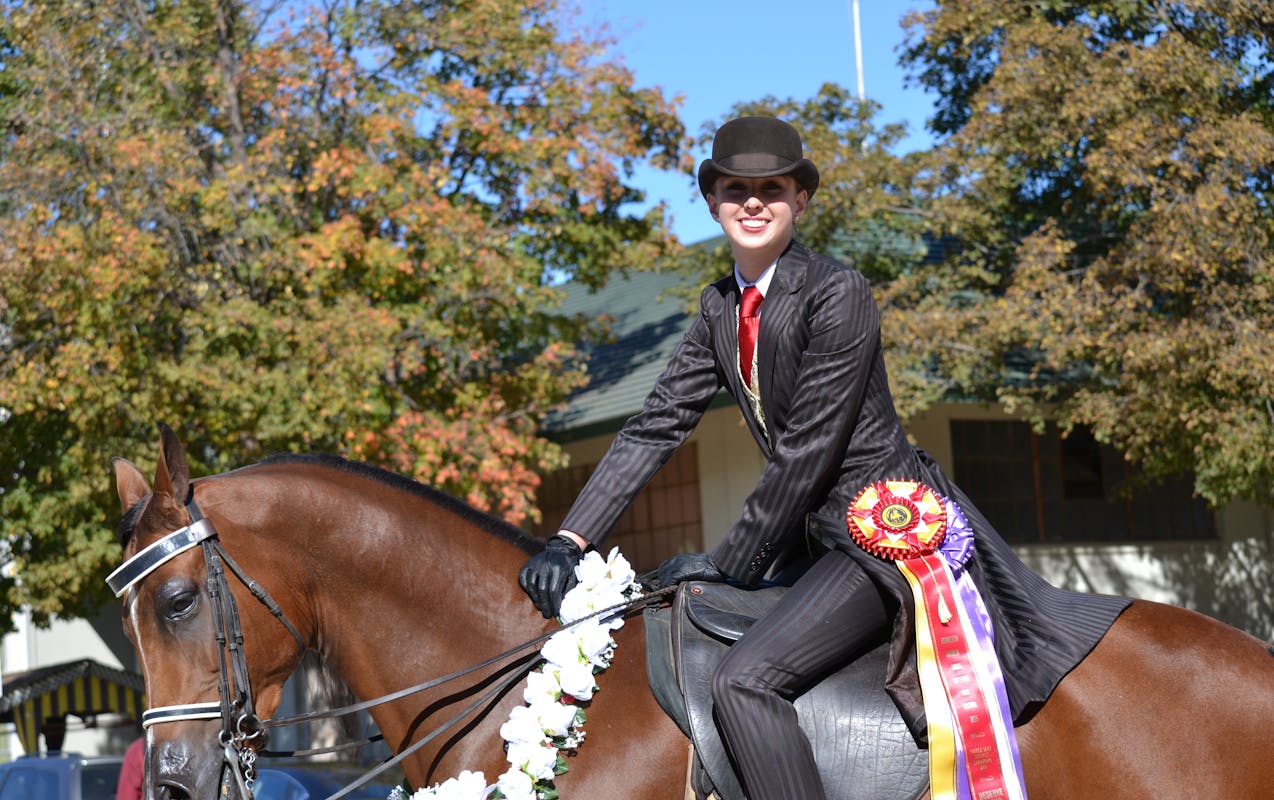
(858, 51)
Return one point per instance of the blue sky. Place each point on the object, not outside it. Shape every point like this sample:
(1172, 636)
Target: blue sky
(716, 54)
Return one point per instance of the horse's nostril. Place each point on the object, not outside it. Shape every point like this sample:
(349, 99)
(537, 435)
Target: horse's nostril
(172, 791)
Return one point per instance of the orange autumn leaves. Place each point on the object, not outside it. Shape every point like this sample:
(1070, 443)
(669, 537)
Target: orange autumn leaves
(291, 228)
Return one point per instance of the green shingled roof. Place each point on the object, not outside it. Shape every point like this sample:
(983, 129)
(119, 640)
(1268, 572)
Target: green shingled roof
(647, 320)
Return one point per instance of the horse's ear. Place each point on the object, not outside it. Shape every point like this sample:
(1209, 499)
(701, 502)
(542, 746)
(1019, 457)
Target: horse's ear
(130, 483)
(172, 476)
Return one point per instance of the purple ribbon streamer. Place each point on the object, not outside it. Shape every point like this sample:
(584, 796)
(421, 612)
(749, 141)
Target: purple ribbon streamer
(956, 549)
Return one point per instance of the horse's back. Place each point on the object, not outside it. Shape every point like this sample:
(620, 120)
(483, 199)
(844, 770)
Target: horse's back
(1170, 704)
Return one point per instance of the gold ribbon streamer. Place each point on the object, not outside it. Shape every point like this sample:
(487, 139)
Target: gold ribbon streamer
(942, 743)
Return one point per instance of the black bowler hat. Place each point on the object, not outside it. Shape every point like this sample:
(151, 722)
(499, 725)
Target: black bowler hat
(757, 147)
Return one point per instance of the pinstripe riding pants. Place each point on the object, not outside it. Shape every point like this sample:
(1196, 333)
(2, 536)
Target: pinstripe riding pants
(831, 615)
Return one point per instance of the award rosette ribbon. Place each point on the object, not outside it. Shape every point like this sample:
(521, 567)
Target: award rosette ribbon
(973, 753)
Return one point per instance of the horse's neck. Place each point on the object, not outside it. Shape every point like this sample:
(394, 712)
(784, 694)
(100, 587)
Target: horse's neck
(429, 595)
(416, 591)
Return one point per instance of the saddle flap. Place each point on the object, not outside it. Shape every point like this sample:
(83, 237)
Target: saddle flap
(718, 610)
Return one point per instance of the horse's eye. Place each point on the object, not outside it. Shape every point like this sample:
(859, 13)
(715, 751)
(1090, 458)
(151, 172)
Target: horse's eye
(183, 604)
(177, 599)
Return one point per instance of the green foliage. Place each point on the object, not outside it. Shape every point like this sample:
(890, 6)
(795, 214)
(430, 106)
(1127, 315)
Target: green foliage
(1108, 170)
(280, 227)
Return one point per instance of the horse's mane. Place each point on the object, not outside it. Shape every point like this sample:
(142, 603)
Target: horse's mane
(487, 522)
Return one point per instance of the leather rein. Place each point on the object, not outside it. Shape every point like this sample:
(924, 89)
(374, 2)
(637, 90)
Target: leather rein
(243, 734)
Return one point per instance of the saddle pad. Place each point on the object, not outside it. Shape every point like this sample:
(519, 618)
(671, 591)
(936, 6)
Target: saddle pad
(863, 748)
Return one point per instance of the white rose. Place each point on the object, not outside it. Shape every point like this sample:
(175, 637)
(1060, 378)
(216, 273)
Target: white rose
(554, 718)
(563, 647)
(466, 786)
(523, 727)
(516, 785)
(535, 760)
(577, 680)
(541, 686)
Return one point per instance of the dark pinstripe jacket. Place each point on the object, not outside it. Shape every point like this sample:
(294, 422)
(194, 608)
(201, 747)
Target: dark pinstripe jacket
(829, 429)
(825, 399)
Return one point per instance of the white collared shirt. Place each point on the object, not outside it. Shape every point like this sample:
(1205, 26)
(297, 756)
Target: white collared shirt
(762, 283)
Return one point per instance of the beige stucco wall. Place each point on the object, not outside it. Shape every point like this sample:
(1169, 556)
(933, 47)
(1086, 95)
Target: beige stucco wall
(729, 466)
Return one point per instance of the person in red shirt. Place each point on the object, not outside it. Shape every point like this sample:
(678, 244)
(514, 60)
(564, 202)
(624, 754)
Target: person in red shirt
(132, 773)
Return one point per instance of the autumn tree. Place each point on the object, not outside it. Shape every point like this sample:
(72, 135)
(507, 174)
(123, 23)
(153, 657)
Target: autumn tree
(294, 226)
(1108, 168)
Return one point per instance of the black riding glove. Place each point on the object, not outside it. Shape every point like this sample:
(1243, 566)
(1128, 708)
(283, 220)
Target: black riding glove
(686, 567)
(549, 574)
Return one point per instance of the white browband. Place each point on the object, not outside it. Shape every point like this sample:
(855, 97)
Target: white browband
(150, 558)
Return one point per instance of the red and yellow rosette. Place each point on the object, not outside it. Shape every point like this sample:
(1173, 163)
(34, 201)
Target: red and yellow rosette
(972, 750)
(897, 520)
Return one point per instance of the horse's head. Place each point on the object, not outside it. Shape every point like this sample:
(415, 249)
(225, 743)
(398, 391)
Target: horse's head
(183, 607)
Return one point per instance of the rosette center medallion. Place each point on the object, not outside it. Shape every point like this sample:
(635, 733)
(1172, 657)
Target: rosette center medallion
(897, 520)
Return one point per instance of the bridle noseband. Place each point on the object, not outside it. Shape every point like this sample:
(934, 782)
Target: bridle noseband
(242, 732)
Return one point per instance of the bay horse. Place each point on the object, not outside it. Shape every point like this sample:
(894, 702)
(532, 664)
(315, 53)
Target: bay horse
(393, 583)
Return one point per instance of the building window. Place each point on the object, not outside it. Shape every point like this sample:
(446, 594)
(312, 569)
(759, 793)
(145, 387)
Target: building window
(1043, 488)
(1081, 459)
(665, 519)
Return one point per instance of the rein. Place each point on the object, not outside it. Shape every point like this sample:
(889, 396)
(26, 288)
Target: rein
(491, 693)
(282, 722)
(243, 733)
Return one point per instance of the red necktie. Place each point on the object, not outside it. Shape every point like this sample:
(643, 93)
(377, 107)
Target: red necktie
(749, 322)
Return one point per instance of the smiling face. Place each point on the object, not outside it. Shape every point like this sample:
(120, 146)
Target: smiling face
(758, 216)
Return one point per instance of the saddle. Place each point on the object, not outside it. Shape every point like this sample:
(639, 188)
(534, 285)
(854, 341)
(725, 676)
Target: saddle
(863, 748)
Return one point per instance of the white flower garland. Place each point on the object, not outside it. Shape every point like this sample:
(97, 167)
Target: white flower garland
(551, 721)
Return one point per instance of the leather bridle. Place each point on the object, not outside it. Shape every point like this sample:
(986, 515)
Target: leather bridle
(242, 731)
